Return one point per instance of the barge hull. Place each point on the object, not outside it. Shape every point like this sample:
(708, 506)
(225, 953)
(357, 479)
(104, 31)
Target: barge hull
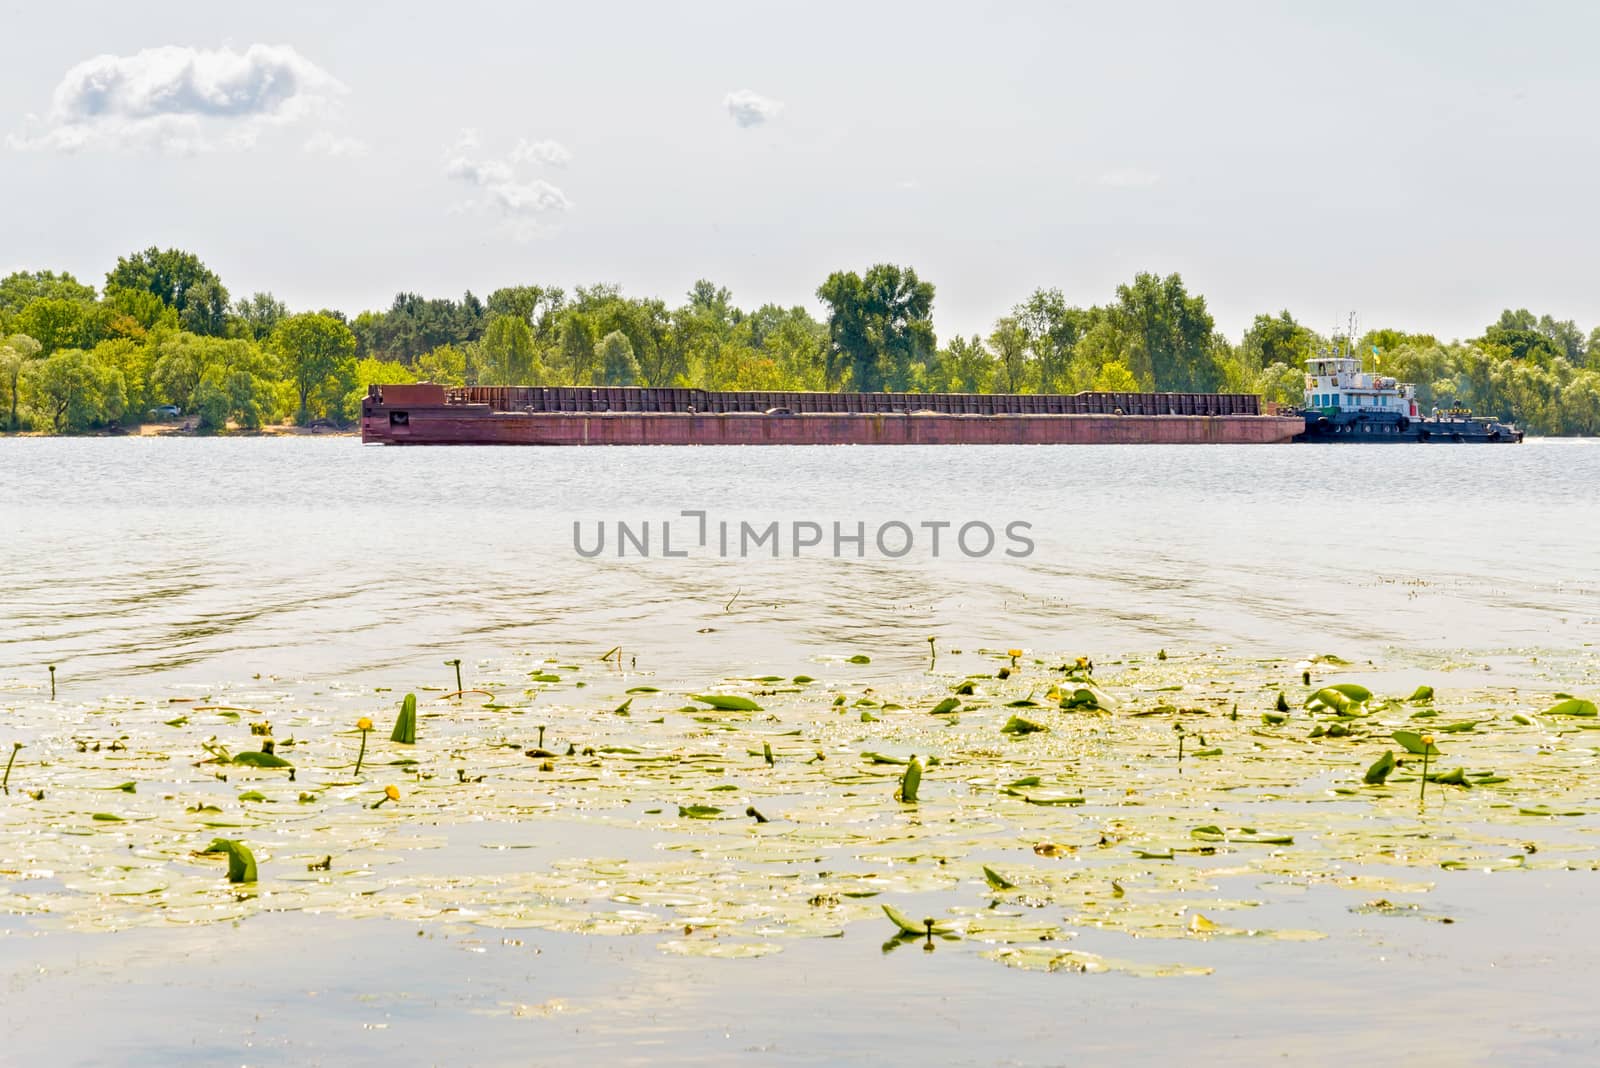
(458, 424)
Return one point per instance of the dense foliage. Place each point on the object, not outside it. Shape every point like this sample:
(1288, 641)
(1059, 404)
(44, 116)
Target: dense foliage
(163, 333)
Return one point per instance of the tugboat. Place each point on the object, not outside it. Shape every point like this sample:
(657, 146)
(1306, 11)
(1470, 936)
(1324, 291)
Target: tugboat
(1346, 405)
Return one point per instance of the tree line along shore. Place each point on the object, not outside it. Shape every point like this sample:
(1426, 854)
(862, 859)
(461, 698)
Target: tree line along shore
(163, 340)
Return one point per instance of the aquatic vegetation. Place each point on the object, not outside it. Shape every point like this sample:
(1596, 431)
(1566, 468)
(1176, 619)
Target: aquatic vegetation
(911, 781)
(721, 829)
(5, 783)
(727, 702)
(405, 725)
(241, 862)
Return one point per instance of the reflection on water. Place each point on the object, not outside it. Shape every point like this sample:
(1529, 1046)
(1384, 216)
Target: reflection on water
(218, 559)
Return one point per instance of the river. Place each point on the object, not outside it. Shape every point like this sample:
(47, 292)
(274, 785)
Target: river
(318, 573)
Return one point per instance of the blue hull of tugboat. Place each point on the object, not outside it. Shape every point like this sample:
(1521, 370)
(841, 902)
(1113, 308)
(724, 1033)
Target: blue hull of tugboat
(1376, 428)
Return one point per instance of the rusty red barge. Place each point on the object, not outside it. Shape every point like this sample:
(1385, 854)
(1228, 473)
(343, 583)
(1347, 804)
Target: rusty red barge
(428, 414)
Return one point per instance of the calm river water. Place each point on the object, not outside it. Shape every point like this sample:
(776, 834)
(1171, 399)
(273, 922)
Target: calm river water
(189, 559)
(155, 566)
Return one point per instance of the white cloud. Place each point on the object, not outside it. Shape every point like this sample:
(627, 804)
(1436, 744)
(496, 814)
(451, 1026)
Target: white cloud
(552, 152)
(1129, 178)
(181, 99)
(523, 203)
(325, 143)
(750, 109)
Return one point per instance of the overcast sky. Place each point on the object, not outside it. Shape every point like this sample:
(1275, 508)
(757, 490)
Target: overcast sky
(1423, 164)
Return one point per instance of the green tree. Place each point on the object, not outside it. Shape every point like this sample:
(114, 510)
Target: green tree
(534, 305)
(1171, 334)
(316, 350)
(55, 323)
(20, 288)
(1053, 331)
(446, 365)
(614, 353)
(965, 366)
(135, 313)
(1114, 377)
(16, 352)
(182, 282)
(259, 315)
(506, 356)
(879, 325)
(577, 348)
(1276, 339)
(76, 391)
(1009, 342)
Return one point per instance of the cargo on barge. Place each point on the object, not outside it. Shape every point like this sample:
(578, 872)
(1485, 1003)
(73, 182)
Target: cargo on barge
(429, 414)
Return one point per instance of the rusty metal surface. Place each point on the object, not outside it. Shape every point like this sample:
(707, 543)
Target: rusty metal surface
(464, 424)
(697, 401)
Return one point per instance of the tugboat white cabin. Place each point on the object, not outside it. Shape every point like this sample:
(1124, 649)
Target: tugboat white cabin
(1336, 384)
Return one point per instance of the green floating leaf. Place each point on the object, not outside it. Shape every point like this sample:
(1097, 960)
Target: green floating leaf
(1412, 742)
(405, 725)
(699, 812)
(727, 702)
(1052, 797)
(880, 758)
(902, 921)
(1380, 769)
(252, 795)
(1421, 694)
(1541, 810)
(859, 658)
(801, 680)
(1019, 726)
(256, 759)
(1339, 697)
(106, 817)
(996, 880)
(241, 862)
(1572, 706)
(1463, 727)
(643, 689)
(949, 704)
(1080, 697)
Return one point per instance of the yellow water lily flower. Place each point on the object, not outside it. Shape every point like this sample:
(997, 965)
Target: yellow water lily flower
(392, 793)
(363, 724)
